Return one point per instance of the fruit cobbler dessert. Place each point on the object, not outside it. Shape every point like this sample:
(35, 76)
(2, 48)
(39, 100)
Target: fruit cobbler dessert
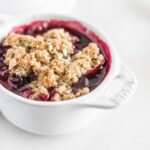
(52, 60)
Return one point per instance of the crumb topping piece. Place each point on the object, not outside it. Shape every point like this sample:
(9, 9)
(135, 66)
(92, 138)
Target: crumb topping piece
(50, 57)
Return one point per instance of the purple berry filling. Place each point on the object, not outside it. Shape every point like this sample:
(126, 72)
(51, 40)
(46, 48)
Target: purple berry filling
(19, 85)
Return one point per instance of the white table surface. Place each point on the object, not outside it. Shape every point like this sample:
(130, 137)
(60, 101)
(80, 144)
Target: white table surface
(126, 128)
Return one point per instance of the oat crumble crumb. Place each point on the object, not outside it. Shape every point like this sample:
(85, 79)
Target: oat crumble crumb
(48, 57)
(83, 91)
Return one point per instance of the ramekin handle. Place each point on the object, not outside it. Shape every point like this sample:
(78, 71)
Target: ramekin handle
(128, 88)
(121, 97)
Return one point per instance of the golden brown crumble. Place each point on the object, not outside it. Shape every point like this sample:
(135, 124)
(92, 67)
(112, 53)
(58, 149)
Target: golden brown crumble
(83, 91)
(48, 57)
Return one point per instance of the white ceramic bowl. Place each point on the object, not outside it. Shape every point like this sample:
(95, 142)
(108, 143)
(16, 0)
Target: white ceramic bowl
(51, 118)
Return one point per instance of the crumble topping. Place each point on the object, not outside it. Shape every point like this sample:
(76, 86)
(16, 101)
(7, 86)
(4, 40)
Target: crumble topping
(50, 57)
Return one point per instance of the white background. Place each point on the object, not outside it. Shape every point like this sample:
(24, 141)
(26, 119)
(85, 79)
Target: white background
(126, 128)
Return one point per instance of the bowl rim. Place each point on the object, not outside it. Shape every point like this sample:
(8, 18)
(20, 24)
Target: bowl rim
(115, 61)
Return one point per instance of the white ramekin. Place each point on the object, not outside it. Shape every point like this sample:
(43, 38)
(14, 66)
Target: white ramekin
(51, 118)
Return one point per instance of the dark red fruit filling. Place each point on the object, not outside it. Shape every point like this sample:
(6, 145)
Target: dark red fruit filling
(91, 79)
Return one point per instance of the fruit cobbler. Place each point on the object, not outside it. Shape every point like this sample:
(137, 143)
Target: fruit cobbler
(52, 60)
